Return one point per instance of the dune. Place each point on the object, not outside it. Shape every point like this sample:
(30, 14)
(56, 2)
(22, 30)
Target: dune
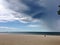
(26, 39)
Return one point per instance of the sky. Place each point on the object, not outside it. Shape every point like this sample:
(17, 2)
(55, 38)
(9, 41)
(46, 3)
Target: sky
(29, 16)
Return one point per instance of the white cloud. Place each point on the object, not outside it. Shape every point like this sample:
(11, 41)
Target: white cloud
(6, 18)
(33, 26)
(3, 27)
(9, 29)
(7, 14)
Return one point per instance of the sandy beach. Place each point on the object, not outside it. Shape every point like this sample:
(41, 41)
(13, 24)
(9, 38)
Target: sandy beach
(21, 39)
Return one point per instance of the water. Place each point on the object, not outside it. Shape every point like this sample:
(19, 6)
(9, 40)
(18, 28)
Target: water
(35, 33)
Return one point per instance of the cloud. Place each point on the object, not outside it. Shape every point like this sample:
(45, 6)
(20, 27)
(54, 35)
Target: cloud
(6, 18)
(16, 5)
(33, 26)
(9, 13)
(3, 27)
(8, 29)
(5, 14)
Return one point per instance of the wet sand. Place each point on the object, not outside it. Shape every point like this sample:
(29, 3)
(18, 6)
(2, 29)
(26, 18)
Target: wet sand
(20, 39)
